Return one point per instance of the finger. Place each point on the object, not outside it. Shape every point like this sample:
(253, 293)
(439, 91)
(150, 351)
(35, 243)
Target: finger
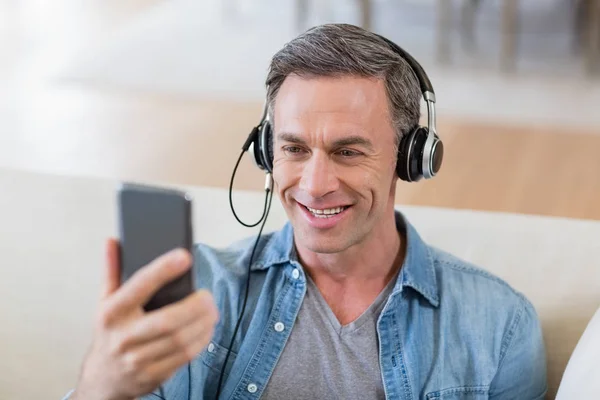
(181, 340)
(198, 306)
(147, 280)
(111, 268)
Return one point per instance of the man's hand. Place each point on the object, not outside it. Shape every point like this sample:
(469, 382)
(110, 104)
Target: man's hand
(133, 352)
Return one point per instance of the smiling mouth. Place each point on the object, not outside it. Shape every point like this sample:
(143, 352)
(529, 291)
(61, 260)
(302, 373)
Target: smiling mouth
(326, 212)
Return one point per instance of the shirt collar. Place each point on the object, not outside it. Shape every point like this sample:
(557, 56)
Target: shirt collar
(417, 272)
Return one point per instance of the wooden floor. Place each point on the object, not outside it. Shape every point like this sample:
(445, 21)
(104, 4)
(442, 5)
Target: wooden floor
(97, 131)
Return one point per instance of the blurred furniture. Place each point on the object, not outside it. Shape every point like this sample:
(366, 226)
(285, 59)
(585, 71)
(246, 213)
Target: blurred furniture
(509, 23)
(301, 14)
(444, 29)
(587, 33)
(510, 28)
(586, 28)
(365, 13)
(468, 13)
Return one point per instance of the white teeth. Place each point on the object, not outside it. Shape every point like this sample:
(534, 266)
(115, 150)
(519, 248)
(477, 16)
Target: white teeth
(325, 213)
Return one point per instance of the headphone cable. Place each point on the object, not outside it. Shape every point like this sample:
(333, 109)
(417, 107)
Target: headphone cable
(267, 188)
(263, 219)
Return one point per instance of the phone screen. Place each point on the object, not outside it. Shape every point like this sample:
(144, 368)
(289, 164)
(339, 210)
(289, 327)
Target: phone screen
(153, 221)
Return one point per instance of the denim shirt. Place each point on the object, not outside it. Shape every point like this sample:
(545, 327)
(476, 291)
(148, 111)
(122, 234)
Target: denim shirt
(448, 330)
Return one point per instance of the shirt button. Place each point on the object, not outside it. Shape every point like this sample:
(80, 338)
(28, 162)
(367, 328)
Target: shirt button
(211, 348)
(279, 327)
(295, 274)
(252, 388)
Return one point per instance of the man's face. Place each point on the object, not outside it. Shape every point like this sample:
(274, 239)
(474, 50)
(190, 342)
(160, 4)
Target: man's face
(334, 159)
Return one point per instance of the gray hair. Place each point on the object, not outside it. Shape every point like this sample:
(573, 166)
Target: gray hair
(343, 49)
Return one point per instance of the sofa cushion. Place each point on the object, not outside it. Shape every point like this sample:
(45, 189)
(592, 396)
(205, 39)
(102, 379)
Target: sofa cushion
(581, 379)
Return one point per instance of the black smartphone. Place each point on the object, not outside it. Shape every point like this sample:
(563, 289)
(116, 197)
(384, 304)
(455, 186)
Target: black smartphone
(153, 221)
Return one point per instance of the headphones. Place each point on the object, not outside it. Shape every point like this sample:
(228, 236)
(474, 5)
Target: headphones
(420, 152)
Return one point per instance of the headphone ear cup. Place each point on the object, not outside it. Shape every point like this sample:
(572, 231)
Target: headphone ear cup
(265, 141)
(410, 155)
(270, 152)
(402, 165)
(256, 153)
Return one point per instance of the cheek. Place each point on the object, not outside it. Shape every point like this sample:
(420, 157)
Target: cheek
(376, 182)
(283, 176)
(374, 176)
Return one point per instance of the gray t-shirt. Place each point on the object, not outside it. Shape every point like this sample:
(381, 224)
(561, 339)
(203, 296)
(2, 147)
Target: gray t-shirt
(325, 360)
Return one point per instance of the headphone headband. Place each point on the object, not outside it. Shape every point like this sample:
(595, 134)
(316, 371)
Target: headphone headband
(418, 70)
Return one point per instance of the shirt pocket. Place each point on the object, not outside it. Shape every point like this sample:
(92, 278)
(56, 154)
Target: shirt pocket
(213, 356)
(460, 393)
(207, 369)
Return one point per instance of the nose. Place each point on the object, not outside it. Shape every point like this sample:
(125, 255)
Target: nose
(319, 176)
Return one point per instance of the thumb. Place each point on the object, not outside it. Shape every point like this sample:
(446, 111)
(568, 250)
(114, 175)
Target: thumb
(112, 269)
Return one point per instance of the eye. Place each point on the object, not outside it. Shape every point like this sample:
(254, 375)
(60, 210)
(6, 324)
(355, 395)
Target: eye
(293, 150)
(348, 153)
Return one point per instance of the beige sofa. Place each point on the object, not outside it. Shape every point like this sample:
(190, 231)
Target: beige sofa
(52, 238)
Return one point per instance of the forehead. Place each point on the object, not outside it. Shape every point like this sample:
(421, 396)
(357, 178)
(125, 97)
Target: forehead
(331, 103)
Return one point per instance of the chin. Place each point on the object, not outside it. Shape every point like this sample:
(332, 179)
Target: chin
(323, 248)
(323, 242)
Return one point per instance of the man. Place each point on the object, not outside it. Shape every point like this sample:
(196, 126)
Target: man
(346, 301)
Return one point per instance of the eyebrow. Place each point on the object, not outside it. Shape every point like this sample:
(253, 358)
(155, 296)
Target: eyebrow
(345, 141)
(290, 137)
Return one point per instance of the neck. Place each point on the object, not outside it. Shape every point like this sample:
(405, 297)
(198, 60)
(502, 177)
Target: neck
(351, 280)
(372, 262)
